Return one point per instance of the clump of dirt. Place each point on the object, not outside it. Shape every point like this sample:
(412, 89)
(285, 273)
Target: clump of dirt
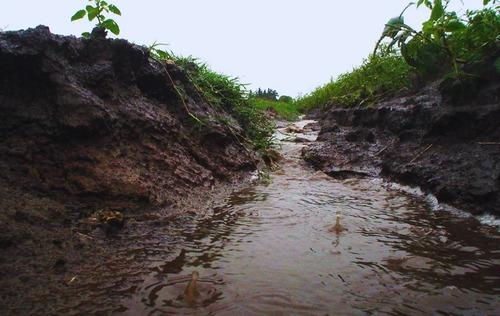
(444, 138)
(90, 125)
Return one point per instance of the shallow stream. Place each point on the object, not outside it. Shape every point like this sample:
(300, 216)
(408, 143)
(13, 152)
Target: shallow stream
(273, 249)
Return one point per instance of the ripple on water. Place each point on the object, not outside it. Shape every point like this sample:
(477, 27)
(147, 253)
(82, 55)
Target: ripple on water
(269, 249)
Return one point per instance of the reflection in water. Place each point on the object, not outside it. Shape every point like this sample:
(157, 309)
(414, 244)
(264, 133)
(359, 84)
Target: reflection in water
(269, 249)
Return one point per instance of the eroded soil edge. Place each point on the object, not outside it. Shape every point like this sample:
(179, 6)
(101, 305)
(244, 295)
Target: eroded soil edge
(444, 138)
(94, 133)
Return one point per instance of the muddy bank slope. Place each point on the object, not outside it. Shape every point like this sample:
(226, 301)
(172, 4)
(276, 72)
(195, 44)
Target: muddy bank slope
(96, 124)
(444, 138)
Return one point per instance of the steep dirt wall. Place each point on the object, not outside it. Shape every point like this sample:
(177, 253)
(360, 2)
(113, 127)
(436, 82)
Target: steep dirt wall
(93, 124)
(444, 138)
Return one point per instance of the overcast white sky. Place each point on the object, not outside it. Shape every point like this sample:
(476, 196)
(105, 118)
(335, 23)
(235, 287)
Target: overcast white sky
(289, 45)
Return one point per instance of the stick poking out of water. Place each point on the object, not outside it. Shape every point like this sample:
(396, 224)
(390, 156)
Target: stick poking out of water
(337, 228)
(191, 292)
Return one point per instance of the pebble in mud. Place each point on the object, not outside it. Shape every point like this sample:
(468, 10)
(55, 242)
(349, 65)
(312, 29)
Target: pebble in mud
(293, 129)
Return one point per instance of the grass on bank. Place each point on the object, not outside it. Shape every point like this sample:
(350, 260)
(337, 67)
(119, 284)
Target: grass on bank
(225, 93)
(284, 110)
(446, 42)
(377, 77)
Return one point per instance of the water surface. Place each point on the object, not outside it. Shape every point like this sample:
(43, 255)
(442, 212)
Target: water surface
(269, 249)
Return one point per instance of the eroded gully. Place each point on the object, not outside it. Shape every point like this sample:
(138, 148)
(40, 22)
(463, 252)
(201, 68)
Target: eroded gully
(273, 248)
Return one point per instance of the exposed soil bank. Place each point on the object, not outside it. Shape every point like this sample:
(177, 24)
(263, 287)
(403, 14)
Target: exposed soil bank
(95, 124)
(444, 138)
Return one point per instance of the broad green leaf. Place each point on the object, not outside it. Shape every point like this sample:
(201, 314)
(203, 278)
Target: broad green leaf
(112, 26)
(454, 25)
(86, 35)
(427, 3)
(78, 15)
(428, 27)
(92, 12)
(114, 9)
(409, 52)
(437, 10)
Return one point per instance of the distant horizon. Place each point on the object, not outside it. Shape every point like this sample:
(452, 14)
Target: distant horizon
(289, 46)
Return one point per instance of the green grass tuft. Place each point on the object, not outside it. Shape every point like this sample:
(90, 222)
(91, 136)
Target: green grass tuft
(226, 93)
(378, 76)
(284, 110)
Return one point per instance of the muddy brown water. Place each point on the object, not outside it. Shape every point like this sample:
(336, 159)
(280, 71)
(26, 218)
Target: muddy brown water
(270, 249)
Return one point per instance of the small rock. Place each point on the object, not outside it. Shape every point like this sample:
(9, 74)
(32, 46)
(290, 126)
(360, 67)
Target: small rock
(343, 174)
(293, 129)
(312, 127)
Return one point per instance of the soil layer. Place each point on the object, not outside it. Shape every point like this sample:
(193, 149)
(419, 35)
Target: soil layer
(444, 138)
(93, 133)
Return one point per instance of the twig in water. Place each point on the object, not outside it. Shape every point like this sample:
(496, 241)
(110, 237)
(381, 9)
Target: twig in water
(341, 278)
(421, 153)
(72, 280)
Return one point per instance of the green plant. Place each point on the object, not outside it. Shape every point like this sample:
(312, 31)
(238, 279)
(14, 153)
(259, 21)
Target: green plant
(269, 94)
(222, 92)
(446, 40)
(286, 99)
(481, 35)
(486, 2)
(98, 11)
(257, 125)
(159, 54)
(284, 110)
(379, 76)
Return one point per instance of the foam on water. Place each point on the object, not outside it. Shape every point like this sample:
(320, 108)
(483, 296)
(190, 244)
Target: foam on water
(434, 204)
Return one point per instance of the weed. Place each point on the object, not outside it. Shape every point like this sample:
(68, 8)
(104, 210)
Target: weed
(380, 75)
(286, 110)
(446, 39)
(98, 11)
(223, 93)
(445, 42)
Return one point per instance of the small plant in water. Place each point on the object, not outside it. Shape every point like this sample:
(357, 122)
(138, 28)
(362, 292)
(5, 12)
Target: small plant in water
(98, 11)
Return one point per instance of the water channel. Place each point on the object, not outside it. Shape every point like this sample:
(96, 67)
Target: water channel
(274, 248)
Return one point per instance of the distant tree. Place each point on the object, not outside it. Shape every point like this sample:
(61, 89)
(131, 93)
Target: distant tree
(286, 99)
(268, 94)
